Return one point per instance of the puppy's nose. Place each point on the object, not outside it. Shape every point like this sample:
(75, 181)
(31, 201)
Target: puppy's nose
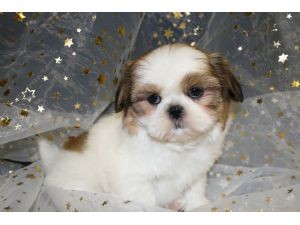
(175, 111)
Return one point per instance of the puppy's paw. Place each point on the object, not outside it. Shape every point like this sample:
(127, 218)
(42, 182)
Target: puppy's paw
(175, 206)
(187, 205)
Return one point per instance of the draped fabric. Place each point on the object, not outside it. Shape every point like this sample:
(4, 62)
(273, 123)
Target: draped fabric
(59, 73)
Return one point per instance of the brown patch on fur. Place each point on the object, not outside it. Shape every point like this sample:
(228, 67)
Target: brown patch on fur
(220, 68)
(129, 121)
(131, 98)
(76, 144)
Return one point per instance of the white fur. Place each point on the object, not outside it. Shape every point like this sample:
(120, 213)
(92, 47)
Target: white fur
(159, 165)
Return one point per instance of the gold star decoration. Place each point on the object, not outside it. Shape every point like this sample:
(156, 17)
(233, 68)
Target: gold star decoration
(269, 199)
(69, 42)
(182, 26)
(7, 208)
(269, 73)
(5, 121)
(214, 209)
(85, 71)
(24, 112)
(168, 33)
(259, 101)
(102, 79)
(99, 40)
(38, 168)
(122, 31)
(56, 95)
(239, 172)
(77, 106)
(177, 15)
(20, 183)
(30, 176)
(280, 114)
(20, 16)
(295, 83)
(281, 134)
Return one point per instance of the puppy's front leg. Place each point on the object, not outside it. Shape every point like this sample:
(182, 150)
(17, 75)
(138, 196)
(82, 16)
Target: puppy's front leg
(194, 196)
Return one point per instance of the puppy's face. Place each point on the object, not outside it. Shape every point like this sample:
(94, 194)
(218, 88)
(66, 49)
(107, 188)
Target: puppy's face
(176, 93)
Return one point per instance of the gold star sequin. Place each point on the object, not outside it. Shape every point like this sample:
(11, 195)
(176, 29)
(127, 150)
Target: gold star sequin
(168, 33)
(20, 16)
(99, 41)
(228, 178)
(295, 83)
(69, 42)
(85, 71)
(214, 209)
(24, 112)
(122, 31)
(5, 121)
(56, 95)
(280, 114)
(269, 199)
(177, 15)
(182, 26)
(281, 134)
(239, 172)
(77, 106)
(102, 79)
(30, 176)
(259, 101)
(269, 73)
(8, 208)
(103, 62)
(38, 168)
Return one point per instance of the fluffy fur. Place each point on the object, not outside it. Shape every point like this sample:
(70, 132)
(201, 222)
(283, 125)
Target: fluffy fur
(143, 154)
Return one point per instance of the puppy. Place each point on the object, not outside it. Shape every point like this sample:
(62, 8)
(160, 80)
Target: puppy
(172, 113)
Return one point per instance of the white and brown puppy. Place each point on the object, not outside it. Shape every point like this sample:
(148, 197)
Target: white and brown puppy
(172, 112)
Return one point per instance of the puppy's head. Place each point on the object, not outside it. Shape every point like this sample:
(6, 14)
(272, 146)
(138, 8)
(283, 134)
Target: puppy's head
(176, 93)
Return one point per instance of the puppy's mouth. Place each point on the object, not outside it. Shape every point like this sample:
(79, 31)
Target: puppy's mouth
(178, 124)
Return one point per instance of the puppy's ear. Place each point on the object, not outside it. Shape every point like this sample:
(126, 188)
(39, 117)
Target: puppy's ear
(221, 70)
(123, 93)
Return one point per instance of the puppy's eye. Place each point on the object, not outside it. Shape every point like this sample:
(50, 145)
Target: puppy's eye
(195, 92)
(154, 99)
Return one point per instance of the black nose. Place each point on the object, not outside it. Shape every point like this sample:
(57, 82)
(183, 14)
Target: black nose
(175, 112)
